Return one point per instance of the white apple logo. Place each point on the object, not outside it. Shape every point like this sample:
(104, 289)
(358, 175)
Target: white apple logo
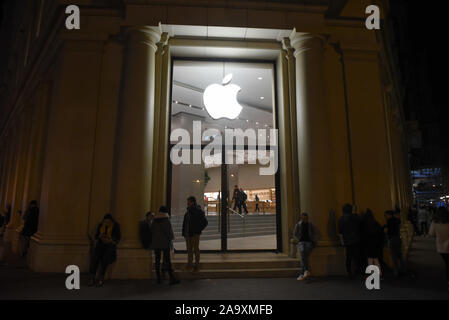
(220, 100)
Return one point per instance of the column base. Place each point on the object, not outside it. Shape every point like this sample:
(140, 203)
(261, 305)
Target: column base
(54, 256)
(327, 261)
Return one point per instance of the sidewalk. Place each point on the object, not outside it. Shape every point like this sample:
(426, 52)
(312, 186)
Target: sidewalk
(17, 282)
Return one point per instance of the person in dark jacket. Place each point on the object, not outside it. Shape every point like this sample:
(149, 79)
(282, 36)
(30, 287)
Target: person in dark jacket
(349, 230)
(107, 236)
(243, 198)
(31, 222)
(193, 224)
(393, 229)
(372, 238)
(236, 197)
(307, 235)
(162, 235)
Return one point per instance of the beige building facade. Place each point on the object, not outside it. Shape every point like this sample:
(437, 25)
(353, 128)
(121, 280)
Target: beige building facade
(86, 117)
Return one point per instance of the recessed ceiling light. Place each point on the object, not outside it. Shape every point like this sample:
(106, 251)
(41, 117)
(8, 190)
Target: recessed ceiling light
(176, 102)
(190, 105)
(247, 120)
(257, 123)
(260, 78)
(261, 98)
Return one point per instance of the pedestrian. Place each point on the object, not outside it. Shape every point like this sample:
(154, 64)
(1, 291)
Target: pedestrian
(412, 217)
(349, 230)
(236, 198)
(307, 235)
(31, 222)
(4, 219)
(107, 236)
(440, 229)
(393, 228)
(423, 215)
(257, 204)
(372, 239)
(193, 224)
(162, 235)
(243, 198)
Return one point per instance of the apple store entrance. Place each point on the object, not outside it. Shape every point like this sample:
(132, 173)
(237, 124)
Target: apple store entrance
(210, 98)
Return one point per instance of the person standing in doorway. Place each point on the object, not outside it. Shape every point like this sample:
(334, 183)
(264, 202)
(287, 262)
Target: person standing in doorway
(107, 237)
(349, 230)
(257, 204)
(193, 224)
(307, 235)
(440, 229)
(161, 236)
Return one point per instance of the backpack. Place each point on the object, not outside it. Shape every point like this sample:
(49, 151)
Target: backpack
(203, 220)
(145, 235)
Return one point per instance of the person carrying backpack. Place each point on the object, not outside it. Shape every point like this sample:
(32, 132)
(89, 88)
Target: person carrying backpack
(161, 236)
(193, 224)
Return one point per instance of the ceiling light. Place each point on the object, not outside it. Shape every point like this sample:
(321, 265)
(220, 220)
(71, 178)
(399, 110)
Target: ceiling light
(260, 78)
(190, 105)
(261, 98)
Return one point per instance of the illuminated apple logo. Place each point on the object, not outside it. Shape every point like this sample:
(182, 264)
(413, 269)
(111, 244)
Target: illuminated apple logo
(220, 100)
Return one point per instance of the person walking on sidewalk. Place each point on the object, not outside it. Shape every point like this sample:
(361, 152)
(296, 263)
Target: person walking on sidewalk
(161, 236)
(393, 229)
(423, 216)
(372, 239)
(349, 230)
(193, 224)
(440, 229)
(307, 235)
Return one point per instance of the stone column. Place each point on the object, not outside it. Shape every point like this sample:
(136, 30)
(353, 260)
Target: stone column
(314, 154)
(134, 145)
(19, 178)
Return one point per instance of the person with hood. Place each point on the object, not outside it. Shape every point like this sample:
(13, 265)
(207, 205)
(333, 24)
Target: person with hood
(107, 236)
(161, 236)
(349, 230)
(31, 221)
(307, 235)
(193, 224)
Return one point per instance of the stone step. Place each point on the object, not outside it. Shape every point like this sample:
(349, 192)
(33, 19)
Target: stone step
(233, 229)
(238, 273)
(288, 263)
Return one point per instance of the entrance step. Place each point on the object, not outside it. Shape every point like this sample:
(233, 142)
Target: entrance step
(238, 265)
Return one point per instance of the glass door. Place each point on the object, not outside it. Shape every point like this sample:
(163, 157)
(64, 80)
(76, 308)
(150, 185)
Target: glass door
(210, 100)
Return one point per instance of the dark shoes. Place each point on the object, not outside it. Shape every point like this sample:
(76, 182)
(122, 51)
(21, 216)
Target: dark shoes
(92, 282)
(96, 283)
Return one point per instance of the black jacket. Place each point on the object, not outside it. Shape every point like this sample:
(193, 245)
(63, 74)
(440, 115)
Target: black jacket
(115, 236)
(194, 221)
(161, 232)
(349, 228)
(31, 222)
(145, 234)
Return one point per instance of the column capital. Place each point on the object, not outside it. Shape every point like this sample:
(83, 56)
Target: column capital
(149, 35)
(302, 41)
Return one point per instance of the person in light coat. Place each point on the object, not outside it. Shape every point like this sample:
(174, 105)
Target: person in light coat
(440, 229)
